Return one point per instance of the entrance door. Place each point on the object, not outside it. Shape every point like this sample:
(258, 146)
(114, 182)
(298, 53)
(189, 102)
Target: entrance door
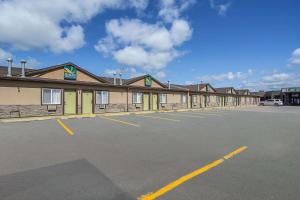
(70, 102)
(146, 102)
(154, 102)
(87, 102)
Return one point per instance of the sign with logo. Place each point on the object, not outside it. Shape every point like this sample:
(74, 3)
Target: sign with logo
(148, 81)
(70, 72)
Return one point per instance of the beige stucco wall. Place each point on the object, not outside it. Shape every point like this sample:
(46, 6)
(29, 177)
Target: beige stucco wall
(59, 75)
(20, 96)
(142, 84)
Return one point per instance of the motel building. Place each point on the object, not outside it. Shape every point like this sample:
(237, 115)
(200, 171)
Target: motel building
(68, 89)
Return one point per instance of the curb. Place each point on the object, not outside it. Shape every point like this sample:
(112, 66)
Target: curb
(28, 119)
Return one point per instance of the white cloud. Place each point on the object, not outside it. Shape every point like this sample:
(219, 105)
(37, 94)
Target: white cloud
(274, 81)
(4, 55)
(221, 8)
(188, 82)
(171, 10)
(160, 75)
(32, 62)
(295, 58)
(52, 25)
(229, 76)
(126, 72)
(276, 77)
(139, 57)
(135, 43)
(180, 32)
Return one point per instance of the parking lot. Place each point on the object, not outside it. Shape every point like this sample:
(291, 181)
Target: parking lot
(242, 153)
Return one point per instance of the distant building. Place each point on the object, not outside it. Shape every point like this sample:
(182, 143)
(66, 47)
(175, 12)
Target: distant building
(291, 96)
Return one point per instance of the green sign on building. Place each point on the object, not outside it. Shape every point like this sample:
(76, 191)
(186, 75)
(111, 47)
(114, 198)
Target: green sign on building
(148, 81)
(70, 72)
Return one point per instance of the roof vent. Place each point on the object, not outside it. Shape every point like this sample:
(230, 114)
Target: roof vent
(120, 75)
(115, 78)
(10, 61)
(23, 63)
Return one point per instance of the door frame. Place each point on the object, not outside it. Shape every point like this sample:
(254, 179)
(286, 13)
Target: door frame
(93, 100)
(147, 93)
(76, 99)
(157, 101)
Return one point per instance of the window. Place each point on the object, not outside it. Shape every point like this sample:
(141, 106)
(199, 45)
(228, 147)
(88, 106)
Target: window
(183, 98)
(102, 97)
(137, 97)
(51, 96)
(163, 98)
(194, 98)
(207, 99)
(218, 100)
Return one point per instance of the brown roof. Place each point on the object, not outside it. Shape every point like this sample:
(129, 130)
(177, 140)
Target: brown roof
(47, 69)
(132, 80)
(15, 71)
(111, 80)
(224, 89)
(178, 87)
(242, 91)
(260, 94)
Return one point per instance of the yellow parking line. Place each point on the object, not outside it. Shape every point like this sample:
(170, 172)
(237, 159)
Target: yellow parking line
(239, 150)
(163, 118)
(183, 179)
(120, 121)
(203, 114)
(65, 127)
(172, 114)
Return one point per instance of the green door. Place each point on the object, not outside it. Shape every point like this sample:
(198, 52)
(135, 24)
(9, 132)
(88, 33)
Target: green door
(69, 102)
(154, 102)
(87, 102)
(146, 102)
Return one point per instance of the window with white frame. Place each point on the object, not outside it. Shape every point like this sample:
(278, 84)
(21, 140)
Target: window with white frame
(51, 96)
(194, 99)
(102, 97)
(183, 98)
(137, 98)
(163, 98)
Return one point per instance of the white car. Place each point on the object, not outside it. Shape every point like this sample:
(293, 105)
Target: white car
(271, 102)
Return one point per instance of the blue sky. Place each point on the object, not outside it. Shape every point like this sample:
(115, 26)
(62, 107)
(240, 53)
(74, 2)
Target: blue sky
(246, 44)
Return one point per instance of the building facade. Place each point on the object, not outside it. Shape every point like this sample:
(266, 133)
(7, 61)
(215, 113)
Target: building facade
(68, 89)
(291, 96)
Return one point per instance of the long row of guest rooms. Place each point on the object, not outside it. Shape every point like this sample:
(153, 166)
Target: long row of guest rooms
(68, 89)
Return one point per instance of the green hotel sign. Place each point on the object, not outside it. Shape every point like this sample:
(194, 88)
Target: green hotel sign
(70, 72)
(148, 81)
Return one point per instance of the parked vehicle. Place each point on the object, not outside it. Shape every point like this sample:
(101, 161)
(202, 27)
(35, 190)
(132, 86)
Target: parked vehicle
(271, 102)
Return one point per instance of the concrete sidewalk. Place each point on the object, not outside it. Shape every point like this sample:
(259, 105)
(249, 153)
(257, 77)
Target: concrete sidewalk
(42, 118)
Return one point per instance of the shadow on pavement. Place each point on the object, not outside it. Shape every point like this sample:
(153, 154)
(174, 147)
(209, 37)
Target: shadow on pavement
(75, 180)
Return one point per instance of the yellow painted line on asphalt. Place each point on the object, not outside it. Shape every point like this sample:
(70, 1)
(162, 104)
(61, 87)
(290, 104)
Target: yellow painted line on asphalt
(187, 177)
(183, 115)
(239, 150)
(65, 127)
(205, 113)
(120, 121)
(163, 118)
